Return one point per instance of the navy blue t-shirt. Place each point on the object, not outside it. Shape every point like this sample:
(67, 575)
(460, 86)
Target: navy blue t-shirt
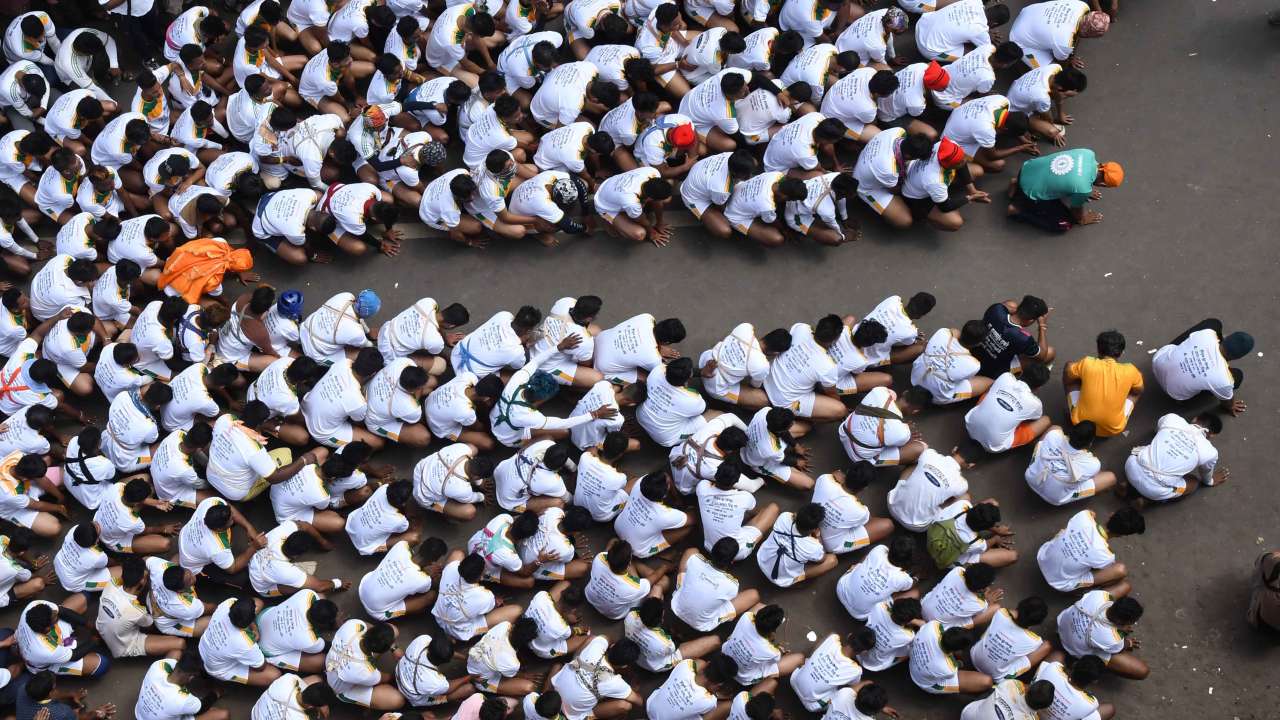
(1003, 342)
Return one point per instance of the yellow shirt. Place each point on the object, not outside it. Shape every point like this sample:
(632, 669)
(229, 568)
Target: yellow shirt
(1104, 385)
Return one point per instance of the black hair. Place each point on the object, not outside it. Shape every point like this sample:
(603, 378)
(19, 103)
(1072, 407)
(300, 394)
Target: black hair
(1031, 307)
(523, 631)
(368, 362)
(135, 491)
(622, 653)
(724, 552)
(883, 83)
(979, 576)
(218, 517)
(482, 24)
(859, 476)
(721, 668)
(868, 333)
(527, 318)
(827, 329)
(651, 611)
(85, 535)
(318, 694)
(618, 556)
(1210, 422)
(1039, 695)
(471, 568)
(1032, 611)
(654, 486)
(809, 518)
(1087, 670)
(1071, 80)
(779, 420)
(1125, 611)
(1110, 344)
(769, 618)
(549, 704)
(727, 475)
(732, 83)
(32, 26)
(669, 331)
(902, 551)
(492, 708)
(157, 394)
(133, 570)
(256, 412)
(760, 706)
(646, 102)
(679, 371)
(457, 92)
(904, 610)
(34, 85)
(997, 15)
(600, 142)
(1081, 435)
(656, 189)
(378, 638)
(323, 615)
(297, 544)
(920, 304)
(41, 685)
(174, 578)
(1035, 374)
(792, 189)
(524, 526)
(338, 51)
(871, 699)
(916, 147)
(1007, 53)
(400, 493)
(956, 639)
(982, 516)
(242, 612)
(440, 649)
(615, 443)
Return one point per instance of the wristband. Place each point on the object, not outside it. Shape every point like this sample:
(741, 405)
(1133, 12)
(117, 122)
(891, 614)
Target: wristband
(337, 583)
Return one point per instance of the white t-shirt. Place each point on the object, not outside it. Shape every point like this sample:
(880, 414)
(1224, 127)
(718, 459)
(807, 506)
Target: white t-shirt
(782, 557)
(932, 668)
(553, 631)
(627, 347)
(78, 568)
(347, 667)
(893, 641)
(707, 106)
(285, 629)
(335, 402)
(1006, 702)
(1002, 650)
(971, 74)
(826, 670)
(870, 582)
(417, 677)
(868, 37)
(461, 606)
(994, 420)
(849, 100)
(229, 652)
(237, 459)
(1030, 92)
(613, 595)
(943, 34)
(643, 521)
(621, 193)
(843, 526)
(759, 112)
(722, 513)
(448, 409)
(1084, 628)
(812, 66)
(1196, 365)
(269, 568)
(757, 656)
(600, 488)
(591, 434)
(442, 477)
(383, 590)
(1060, 473)
(739, 358)
(658, 652)
(559, 99)
(794, 147)
(161, 699)
(794, 373)
(199, 546)
(670, 413)
(588, 679)
(489, 348)
(1178, 449)
(1047, 31)
(909, 98)
(371, 525)
(951, 602)
(680, 697)
(1069, 701)
(944, 368)
(704, 594)
(917, 500)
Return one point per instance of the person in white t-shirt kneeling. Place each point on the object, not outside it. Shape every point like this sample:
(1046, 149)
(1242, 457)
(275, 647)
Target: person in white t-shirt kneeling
(793, 552)
(935, 661)
(1198, 361)
(1010, 415)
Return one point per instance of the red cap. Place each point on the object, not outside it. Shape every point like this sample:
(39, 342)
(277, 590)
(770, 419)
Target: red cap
(949, 154)
(683, 136)
(935, 77)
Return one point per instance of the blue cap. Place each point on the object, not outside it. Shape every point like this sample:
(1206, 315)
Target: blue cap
(289, 304)
(367, 303)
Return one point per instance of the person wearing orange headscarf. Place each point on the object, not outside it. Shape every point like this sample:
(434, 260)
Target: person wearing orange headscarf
(196, 268)
(1051, 192)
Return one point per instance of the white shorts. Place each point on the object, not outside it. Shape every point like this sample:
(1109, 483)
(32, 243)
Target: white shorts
(466, 630)
(287, 660)
(177, 628)
(768, 671)
(802, 406)
(942, 686)
(879, 457)
(361, 695)
(847, 540)
(341, 436)
(962, 391)
(391, 612)
(559, 649)
(563, 370)
(389, 429)
(24, 517)
(1149, 489)
(748, 538)
(123, 642)
(16, 182)
(71, 668)
(878, 198)
(694, 202)
(730, 394)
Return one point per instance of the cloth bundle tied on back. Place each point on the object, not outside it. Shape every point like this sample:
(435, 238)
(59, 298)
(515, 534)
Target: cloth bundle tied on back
(197, 267)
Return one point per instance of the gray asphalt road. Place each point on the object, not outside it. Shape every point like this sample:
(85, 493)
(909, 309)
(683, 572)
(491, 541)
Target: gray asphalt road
(1180, 92)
